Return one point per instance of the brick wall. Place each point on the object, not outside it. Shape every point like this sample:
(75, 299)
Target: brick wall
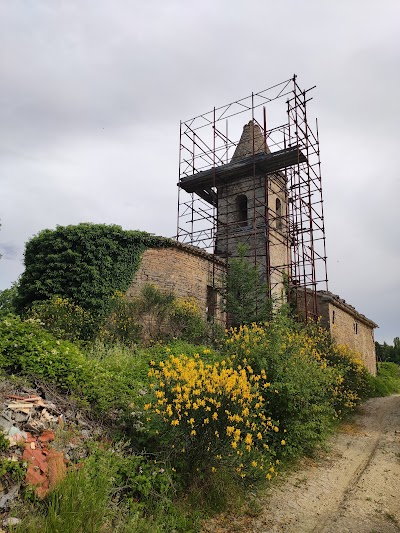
(183, 270)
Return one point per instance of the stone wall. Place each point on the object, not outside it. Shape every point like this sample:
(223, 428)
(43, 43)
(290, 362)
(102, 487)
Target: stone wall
(185, 270)
(346, 325)
(347, 329)
(267, 246)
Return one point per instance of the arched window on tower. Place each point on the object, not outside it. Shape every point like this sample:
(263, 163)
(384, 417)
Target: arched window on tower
(278, 211)
(242, 209)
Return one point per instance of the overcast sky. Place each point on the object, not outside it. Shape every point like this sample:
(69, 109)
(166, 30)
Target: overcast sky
(92, 92)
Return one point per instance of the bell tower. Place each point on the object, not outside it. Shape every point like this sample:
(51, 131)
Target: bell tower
(252, 210)
(245, 186)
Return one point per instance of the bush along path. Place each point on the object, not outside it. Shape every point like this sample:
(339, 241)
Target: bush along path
(190, 428)
(351, 488)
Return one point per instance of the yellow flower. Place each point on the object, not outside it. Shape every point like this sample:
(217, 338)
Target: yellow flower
(283, 442)
(249, 439)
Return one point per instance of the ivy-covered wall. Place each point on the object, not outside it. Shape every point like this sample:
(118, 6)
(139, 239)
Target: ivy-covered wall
(86, 263)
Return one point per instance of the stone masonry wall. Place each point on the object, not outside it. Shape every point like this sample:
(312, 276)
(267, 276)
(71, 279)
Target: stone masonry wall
(346, 329)
(231, 231)
(182, 271)
(341, 322)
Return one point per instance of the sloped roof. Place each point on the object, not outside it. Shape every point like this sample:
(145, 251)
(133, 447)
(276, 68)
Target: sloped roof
(327, 296)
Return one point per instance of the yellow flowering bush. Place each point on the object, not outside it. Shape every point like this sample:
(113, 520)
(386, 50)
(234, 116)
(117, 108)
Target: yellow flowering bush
(353, 382)
(212, 414)
(151, 317)
(187, 321)
(316, 380)
(122, 324)
(63, 318)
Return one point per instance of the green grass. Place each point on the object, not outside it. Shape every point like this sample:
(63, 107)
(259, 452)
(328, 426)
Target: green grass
(95, 499)
(387, 380)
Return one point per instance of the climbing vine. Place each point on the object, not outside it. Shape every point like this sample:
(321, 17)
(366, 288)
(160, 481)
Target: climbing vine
(85, 263)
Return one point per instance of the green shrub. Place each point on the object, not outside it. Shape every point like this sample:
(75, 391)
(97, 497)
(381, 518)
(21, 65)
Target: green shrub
(11, 471)
(246, 295)
(122, 325)
(8, 300)
(63, 318)
(4, 442)
(107, 382)
(152, 317)
(27, 349)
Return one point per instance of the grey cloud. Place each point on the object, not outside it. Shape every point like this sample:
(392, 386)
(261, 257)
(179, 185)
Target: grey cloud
(92, 93)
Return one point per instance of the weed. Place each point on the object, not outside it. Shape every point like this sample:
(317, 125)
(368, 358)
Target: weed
(4, 442)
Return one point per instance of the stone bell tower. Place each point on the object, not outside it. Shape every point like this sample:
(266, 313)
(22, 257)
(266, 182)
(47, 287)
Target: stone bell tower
(253, 209)
(267, 196)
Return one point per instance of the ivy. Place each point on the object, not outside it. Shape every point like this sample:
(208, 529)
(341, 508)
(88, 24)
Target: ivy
(85, 263)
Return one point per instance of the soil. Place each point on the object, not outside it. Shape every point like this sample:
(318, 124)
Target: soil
(355, 487)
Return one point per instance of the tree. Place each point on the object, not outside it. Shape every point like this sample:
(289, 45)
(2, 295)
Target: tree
(247, 298)
(7, 300)
(385, 352)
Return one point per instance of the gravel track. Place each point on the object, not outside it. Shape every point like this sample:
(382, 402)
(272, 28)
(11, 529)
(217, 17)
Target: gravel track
(354, 488)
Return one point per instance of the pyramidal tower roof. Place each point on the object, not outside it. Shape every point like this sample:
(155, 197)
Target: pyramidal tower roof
(244, 147)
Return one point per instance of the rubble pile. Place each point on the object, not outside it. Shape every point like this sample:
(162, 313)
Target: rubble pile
(30, 422)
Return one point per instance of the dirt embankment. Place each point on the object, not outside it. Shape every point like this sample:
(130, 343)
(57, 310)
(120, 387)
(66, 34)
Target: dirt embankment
(354, 488)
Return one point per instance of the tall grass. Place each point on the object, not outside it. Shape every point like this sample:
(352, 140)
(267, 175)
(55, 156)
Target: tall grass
(387, 380)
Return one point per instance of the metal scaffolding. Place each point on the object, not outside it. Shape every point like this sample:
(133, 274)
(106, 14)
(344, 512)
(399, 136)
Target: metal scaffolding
(259, 186)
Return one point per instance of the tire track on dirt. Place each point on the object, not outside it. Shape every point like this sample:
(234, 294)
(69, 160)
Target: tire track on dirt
(352, 489)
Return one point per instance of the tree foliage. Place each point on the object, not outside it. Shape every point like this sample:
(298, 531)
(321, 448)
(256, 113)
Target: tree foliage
(85, 263)
(7, 300)
(387, 353)
(246, 293)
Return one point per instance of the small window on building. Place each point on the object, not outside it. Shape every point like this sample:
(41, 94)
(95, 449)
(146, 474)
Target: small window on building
(355, 328)
(211, 302)
(333, 317)
(242, 209)
(278, 211)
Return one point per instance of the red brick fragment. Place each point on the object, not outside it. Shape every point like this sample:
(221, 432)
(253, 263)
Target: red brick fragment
(57, 468)
(47, 436)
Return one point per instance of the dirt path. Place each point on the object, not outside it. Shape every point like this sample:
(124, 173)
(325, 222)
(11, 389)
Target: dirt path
(355, 488)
